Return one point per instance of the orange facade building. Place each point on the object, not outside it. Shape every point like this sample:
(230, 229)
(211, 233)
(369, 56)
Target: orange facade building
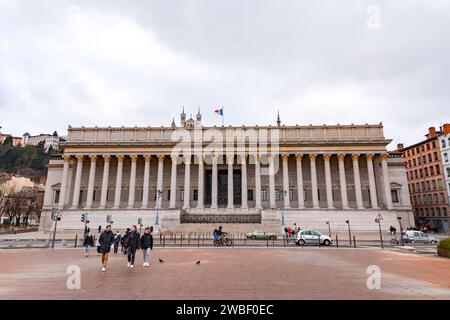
(426, 181)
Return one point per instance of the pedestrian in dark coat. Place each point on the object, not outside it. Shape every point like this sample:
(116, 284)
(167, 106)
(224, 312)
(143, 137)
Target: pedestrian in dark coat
(106, 240)
(88, 242)
(117, 238)
(123, 241)
(146, 245)
(132, 244)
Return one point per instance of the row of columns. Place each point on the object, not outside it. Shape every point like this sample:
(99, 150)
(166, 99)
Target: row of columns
(244, 187)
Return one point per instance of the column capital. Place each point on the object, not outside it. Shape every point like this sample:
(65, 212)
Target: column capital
(257, 157)
(243, 156)
(230, 158)
(106, 157)
(160, 157)
(285, 156)
(299, 156)
(327, 156)
(355, 156)
(147, 157)
(134, 157)
(187, 159)
(312, 156)
(384, 156)
(93, 158)
(120, 157)
(80, 158)
(341, 156)
(66, 158)
(200, 158)
(369, 156)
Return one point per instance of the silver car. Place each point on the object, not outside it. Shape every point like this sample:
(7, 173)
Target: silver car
(308, 237)
(415, 236)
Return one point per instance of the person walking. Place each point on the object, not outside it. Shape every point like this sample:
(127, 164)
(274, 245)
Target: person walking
(123, 241)
(117, 238)
(106, 240)
(132, 244)
(146, 245)
(99, 229)
(88, 242)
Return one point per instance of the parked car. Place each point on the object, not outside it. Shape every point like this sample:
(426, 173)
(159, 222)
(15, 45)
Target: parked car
(418, 237)
(307, 237)
(261, 235)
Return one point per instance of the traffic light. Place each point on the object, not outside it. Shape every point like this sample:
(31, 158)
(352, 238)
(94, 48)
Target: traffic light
(83, 218)
(140, 221)
(109, 218)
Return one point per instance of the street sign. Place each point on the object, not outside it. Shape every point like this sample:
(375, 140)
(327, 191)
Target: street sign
(379, 217)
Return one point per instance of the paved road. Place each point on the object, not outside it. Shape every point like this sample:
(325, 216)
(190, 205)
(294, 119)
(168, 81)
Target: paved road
(226, 273)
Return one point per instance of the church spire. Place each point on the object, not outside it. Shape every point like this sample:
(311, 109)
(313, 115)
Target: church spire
(278, 119)
(183, 117)
(199, 115)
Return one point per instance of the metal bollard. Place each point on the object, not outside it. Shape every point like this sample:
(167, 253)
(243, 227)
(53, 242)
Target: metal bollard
(181, 242)
(76, 240)
(337, 242)
(354, 242)
(198, 240)
(164, 240)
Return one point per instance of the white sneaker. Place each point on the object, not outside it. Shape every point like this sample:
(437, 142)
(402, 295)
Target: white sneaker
(144, 264)
(131, 266)
(103, 269)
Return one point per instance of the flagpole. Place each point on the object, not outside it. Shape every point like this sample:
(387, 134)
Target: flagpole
(223, 116)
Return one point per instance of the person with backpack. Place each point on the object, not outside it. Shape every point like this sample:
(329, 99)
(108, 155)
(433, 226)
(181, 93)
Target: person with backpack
(132, 244)
(146, 245)
(88, 242)
(123, 241)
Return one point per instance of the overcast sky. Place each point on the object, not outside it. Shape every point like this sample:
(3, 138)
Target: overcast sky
(138, 62)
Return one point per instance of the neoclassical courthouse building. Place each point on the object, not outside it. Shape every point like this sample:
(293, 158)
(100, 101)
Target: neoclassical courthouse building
(189, 177)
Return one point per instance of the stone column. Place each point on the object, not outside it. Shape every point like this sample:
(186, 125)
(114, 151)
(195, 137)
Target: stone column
(118, 192)
(230, 162)
(342, 181)
(62, 192)
(258, 204)
(132, 191)
(201, 182)
(214, 183)
(372, 186)
(77, 186)
(315, 194)
(105, 181)
(301, 200)
(146, 185)
(359, 200)
(272, 199)
(159, 182)
(387, 183)
(244, 187)
(90, 193)
(173, 183)
(286, 197)
(326, 158)
(187, 182)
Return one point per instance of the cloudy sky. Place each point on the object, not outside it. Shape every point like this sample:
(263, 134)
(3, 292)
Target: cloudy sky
(138, 62)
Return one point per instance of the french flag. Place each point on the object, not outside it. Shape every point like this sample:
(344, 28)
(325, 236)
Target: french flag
(219, 111)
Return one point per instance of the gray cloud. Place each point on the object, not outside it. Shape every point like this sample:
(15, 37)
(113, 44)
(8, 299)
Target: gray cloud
(137, 63)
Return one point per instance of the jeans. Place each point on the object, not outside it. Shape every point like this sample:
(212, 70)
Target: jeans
(88, 249)
(131, 254)
(146, 253)
(116, 246)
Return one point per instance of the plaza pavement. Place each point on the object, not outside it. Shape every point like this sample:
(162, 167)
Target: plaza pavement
(226, 273)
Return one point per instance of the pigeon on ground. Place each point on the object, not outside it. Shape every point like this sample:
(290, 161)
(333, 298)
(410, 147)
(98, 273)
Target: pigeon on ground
(198, 262)
(161, 260)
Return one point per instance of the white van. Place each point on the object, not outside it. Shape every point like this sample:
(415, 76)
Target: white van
(418, 237)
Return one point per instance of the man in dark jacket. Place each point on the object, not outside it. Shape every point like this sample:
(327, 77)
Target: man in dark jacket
(88, 242)
(146, 245)
(132, 244)
(106, 240)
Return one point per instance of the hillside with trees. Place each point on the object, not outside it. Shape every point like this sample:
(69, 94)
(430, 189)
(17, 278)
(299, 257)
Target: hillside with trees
(29, 161)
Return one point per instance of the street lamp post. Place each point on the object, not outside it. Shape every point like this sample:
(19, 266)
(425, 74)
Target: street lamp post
(158, 197)
(349, 232)
(378, 220)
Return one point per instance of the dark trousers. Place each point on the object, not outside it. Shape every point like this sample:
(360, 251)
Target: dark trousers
(131, 255)
(116, 247)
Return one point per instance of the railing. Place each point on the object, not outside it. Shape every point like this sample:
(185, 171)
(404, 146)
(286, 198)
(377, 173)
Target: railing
(219, 218)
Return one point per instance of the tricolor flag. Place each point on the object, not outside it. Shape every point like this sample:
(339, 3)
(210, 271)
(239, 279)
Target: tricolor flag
(219, 111)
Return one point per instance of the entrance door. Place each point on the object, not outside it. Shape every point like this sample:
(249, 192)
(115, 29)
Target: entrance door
(222, 188)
